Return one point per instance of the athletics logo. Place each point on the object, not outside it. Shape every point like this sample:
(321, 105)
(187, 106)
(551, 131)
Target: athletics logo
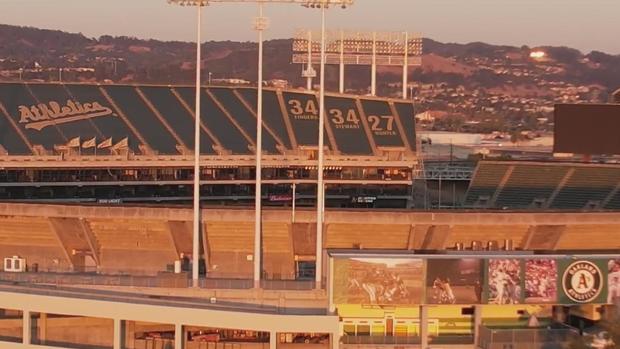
(42, 115)
(582, 281)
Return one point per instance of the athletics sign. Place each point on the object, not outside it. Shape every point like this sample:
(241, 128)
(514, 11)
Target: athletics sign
(42, 115)
(582, 282)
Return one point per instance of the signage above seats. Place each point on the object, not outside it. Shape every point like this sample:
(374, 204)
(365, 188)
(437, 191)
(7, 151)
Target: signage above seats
(43, 115)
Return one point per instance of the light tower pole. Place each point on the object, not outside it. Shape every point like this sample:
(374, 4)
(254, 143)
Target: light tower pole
(320, 216)
(196, 204)
(260, 25)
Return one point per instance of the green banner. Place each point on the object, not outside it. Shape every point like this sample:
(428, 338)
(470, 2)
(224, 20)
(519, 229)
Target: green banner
(582, 281)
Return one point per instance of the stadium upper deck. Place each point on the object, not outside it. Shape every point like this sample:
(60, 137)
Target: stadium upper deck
(47, 119)
(544, 186)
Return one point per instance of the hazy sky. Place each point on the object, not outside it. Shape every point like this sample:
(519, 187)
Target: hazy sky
(583, 24)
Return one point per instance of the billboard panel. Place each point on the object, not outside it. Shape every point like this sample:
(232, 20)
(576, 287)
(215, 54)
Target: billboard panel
(541, 281)
(582, 281)
(587, 128)
(378, 281)
(613, 281)
(454, 281)
(504, 281)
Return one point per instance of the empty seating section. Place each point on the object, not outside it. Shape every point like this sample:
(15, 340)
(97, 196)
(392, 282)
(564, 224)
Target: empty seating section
(278, 258)
(541, 185)
(230, 249)
(407, 118)
(136, 246)
(113, 126)
(369, 236)
(528, 183)
(162, 117)
(244, 117)
(303, 112)
(71, 233)
(272, 113)
(485, 182)
(179, 119)
(347, 126)
(579, 237)
(304, 239)
(9, 139)
(46, 94)
(14, 96)
(147, 123)
(33, 239)
(614, 203)
(132, 234)
(587, 185)
(466, 234)
(217, 122)
(13, 231)
(382, 123)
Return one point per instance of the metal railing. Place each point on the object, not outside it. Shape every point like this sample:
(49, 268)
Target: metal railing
(161, 281)
(379, 340)
(491, 338)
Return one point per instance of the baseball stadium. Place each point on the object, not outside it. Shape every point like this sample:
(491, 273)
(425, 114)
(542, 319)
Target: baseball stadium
(96, 184)
(138, 216)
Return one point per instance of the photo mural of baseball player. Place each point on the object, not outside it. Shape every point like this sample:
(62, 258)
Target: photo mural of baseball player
(504, 281)
(454, 281)
(541, 281)
(613, 281)
(378, 281)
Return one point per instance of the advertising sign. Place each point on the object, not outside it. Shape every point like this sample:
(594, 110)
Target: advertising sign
(410, 281)
(582, 281)
(504, 281)
(613, 281)
(541, 281)
(454, 281)
(378, 281)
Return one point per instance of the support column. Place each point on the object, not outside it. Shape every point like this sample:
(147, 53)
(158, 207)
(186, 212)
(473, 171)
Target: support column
(43, 328)
(320, 203)
(309, 65)
(260, 26)
(196, 198)
(477, 323)
(373, 73)
(341, 61)
(406, 66)
(118, 338)
(26, 328)
(129, 328)
(273, 340)
(294, 202)
(334, 341)
(330, 286)
(423, 327)
(178, 336)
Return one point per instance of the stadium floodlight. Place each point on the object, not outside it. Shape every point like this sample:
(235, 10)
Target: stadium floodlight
(261, 24)
(362, 48)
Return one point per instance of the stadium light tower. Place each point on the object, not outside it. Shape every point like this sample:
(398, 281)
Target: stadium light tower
(323, 5)
(261, 23)
(196, 226)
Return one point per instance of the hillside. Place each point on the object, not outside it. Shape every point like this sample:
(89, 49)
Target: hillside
(467, 80)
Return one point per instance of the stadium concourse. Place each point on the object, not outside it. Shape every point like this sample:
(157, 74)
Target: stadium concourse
(94, 181)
